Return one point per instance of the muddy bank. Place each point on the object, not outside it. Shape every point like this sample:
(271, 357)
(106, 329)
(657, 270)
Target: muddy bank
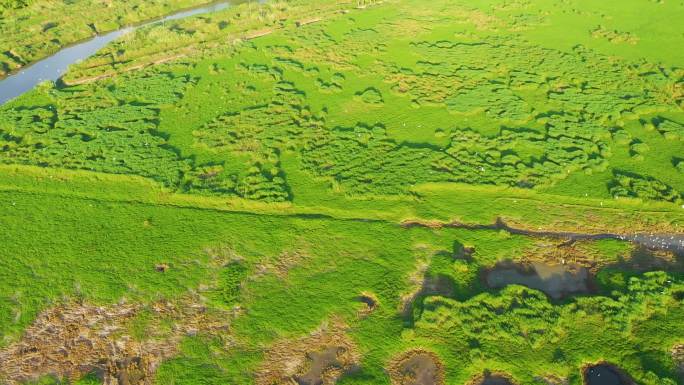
(416, 367)
(431, 285)
(655, 241)
(555, 280)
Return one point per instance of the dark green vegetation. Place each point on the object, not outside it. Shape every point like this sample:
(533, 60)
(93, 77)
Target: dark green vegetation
(340, 98)
(266, 158)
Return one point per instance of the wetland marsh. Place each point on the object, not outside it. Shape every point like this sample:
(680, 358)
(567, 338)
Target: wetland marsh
(393, 192)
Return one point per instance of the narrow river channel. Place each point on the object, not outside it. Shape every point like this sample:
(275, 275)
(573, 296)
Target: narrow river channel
(53, 67)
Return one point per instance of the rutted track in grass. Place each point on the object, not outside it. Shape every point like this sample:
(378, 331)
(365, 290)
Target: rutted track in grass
(657, 241)
(669, 241)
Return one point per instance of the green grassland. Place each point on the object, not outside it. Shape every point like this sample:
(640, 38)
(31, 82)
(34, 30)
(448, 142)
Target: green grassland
(290, 141)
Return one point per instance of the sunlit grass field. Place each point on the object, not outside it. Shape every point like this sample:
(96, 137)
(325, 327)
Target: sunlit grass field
(307, 172)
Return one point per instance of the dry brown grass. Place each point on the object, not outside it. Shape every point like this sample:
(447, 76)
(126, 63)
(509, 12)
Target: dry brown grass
(74, 339)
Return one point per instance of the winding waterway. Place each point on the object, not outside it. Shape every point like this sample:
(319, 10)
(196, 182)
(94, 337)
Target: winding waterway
(53, 67)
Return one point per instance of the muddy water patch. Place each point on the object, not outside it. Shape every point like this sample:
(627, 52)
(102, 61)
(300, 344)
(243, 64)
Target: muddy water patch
(370, 303)
(496, 380)
(665, 242)
(417, 367)
(490, 378)
(672, 242)
(556, 280)
(605, 374)
(320, 358)
(431, 285)
(319, 363)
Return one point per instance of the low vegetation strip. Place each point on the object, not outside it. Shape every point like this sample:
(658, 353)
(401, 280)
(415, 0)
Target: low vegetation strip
(522, 210)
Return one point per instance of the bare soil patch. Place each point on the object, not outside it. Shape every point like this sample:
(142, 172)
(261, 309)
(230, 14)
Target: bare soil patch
(319, 362)
(71, 340)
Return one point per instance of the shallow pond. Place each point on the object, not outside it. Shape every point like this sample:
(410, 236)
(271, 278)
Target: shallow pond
(603, 375)
(556, 281)
(495, 380)
(319, 363)
(420, 369)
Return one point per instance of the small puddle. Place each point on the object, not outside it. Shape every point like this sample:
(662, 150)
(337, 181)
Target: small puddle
(491, 378)
(557, 281)
(370, 304)
(422, 368)
(53, 67)
(320, 362)
(605, 374)
(369, 301)
(417, 368)
(495, 380)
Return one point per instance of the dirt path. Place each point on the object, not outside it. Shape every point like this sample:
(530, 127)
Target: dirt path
(655, 241)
